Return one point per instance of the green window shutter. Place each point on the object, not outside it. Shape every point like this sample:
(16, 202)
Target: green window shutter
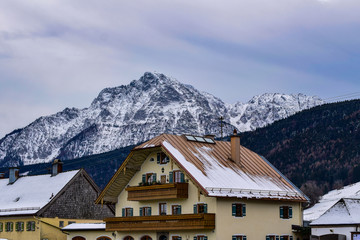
(27, 226)
(141, 211)
(205, 208)
(277, 237)
(1, 227)
(195, 237)
(158, 158)
(131, 212)
(179, 209)
(205, 237)
(234, 209)
(233, 237)
(244, 238)
(143, 178)
(281, 237)
(182, 177)
(281, 212)
(22, 226)
(11, 226)
(267, 238)
(195, 208)
(16, 226)
(154, 177)
(123, 212)
(149, 211)
(290, 212)
(244, 210)
(170, 177)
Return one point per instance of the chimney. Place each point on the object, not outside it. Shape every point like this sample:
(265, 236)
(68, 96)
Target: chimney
(13, 174)
(57, 167)
(235, 147)
(2, 175)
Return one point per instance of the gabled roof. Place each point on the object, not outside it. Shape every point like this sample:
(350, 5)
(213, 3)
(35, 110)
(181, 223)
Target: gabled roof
(210, 168)
(345, 211)
(329, 199)
(29, 194)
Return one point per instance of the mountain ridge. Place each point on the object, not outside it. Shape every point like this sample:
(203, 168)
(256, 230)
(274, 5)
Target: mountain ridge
(133, 113)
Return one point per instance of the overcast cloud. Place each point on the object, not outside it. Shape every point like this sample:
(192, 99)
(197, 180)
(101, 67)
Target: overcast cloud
(56, 54)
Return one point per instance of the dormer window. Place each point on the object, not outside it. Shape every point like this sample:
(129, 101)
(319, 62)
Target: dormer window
(162, 158)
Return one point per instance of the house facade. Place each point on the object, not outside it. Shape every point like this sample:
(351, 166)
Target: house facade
(37, 207)
(194, 188)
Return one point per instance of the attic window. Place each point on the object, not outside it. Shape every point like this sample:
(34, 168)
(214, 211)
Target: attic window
(199, 139)
(17, 199)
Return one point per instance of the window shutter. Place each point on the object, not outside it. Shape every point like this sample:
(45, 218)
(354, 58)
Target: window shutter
(267, 238)
(170, 177)
(131, 212)
(158, 158)
(141, 211)
(149, 211)
(22, 226)
(195, 237)
(143, 178)
(281, 212)
(277, 237)
(233, 237)
(290, 212)
(234, 209)
(154, 177)
(195, 208)
(16, 226)
(179, 238)
(244, 209)
(123, 212)
(244, 238)
(1, 227)
(205, 208)
(28, 226)
(281, 237)
(182, 177)
(11, 226)
(205, 237)
(179, 209)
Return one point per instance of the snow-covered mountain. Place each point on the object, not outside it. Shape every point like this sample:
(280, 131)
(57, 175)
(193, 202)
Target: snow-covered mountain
(130, 114)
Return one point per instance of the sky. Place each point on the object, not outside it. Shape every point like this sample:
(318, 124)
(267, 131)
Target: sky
(61, 53)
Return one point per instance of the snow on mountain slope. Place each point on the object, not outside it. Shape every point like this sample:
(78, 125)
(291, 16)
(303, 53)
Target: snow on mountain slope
(130, 114)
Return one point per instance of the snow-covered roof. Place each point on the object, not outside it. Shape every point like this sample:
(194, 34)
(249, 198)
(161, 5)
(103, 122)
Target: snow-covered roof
(329, 199)
(345, 211)
(28, 194)
(84, 226)
(209, 165)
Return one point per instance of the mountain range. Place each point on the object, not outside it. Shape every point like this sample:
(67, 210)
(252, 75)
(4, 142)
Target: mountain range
(129, 114)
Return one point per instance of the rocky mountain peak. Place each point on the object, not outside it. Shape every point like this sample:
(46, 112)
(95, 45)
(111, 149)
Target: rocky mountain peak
(129, 114)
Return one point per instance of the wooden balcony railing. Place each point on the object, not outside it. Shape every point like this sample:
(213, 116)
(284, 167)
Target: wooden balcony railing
(202, 221)
(157, 192)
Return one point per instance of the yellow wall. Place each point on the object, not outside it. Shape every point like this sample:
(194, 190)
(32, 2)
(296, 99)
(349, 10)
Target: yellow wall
(89, 235)
(45, 228)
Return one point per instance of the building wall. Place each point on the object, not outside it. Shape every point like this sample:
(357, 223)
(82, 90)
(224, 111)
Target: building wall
(262, 218)
(45, 228)
(345, 230)
(78, 202)
(90, 235)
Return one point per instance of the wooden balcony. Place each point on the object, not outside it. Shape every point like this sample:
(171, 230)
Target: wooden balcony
(202, 221)
(158, 192)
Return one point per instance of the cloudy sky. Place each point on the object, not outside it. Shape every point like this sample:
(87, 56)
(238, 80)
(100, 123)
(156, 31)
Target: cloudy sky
(56, 54)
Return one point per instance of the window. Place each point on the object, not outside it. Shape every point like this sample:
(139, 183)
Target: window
(200, 208)
(78, 238)
(103, 238)
(239, 237)
(176, 177)
(1, 227)
(272, 237)
(19, 226)
(146, 238)
(128, 238)
(145, 211)
(162, 208)
(149, 178)
(200, 237)
(162, 158)
(286, 237)
(127, 212)
(176, 238)
(9, 226)
(285, 212)
(61, 224)
(176, 209)
(30, 226)
(239, 209)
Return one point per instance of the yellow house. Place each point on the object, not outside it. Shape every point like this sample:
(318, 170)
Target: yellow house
(194, 188)
(37, 207)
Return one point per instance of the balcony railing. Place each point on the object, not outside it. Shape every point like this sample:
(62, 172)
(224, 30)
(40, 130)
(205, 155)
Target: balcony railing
(202, 221)
(158, 191)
